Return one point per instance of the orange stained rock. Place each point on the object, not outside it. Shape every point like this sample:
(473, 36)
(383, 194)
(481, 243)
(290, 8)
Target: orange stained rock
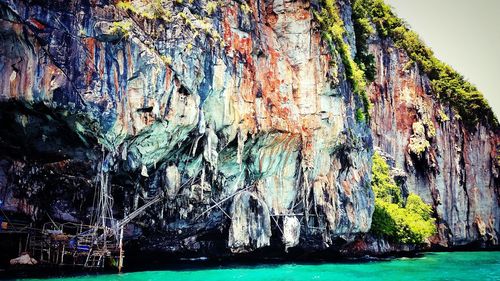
(249, 122)
(14, 76)
(271, 17)
(247, 87)
(115, 81)
(302, 14)
(495, 152)
(276, 109)
(406, 121)
(36, 23)
(269, 78)
(101, 64)
(89, 43)
(226, 27)
(282, 112)
(347, 188)
(233, 42)
(308, 151)
(311, 123)
(63, 164)
(50, 72)
(244, 46)
(253, 6)
(13, 86)
(26, 77)
(405, 105)
(358, 245)
(168, 75)
(130, 65)
(122, 113)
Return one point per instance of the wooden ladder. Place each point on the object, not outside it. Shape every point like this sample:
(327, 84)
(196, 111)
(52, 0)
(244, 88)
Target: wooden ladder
(95, 259)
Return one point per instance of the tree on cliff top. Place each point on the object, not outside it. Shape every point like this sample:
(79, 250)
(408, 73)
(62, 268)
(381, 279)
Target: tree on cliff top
(448, 85)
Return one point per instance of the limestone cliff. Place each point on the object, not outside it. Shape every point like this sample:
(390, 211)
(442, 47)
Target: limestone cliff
(236, 111)
(456, 171)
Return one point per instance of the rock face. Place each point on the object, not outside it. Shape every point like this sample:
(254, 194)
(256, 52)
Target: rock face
(236, 112)
(453, 168)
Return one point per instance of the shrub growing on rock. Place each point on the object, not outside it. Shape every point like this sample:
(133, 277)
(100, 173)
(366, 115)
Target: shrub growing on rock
(409, 222)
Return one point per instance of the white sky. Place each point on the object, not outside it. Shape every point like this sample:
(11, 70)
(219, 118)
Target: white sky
(464, 34)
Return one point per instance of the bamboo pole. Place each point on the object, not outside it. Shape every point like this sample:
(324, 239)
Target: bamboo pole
(20, 246)
(120, 245)
(62, 254)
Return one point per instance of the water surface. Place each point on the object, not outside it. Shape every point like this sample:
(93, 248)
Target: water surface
(478, 266)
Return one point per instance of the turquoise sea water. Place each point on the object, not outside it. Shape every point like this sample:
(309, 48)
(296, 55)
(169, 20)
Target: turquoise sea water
(478, 266)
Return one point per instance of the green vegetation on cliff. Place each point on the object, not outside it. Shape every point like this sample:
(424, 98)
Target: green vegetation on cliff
(392, 218)
(363, 29)
(333, 32)
(448, 85)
